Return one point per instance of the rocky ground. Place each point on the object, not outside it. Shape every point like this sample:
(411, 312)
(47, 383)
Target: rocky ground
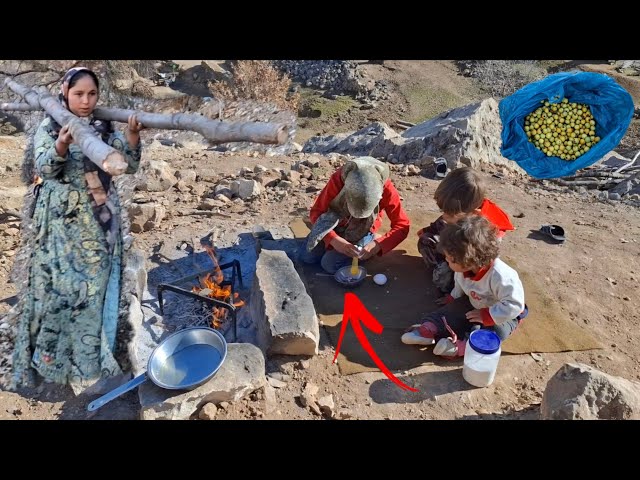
(594, 276)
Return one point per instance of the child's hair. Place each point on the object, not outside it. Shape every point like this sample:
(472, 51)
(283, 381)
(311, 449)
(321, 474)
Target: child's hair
(461, 191)
(471, 242)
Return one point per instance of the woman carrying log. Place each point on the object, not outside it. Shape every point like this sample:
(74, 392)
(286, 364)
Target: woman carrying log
(67, 329)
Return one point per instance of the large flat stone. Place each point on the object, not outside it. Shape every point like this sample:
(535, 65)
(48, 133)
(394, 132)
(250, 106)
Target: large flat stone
(281, 309)
(242, 372)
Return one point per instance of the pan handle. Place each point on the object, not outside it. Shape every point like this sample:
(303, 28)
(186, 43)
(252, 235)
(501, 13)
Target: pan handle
(116, 392)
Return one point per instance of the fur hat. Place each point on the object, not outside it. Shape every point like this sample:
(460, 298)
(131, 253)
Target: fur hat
(364, 179)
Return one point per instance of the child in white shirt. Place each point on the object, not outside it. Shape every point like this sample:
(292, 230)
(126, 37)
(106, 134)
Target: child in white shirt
(487, 292)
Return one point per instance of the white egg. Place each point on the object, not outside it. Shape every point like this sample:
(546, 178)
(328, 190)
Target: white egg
(380, 278)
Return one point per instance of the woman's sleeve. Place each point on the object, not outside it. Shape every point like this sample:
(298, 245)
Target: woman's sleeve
(118, 141)
(48, 163)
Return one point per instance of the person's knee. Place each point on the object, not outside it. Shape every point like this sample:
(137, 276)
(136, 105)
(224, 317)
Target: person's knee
(308, 257)
(502, 332)
(428, 329)
(328, 263)
(311, 257)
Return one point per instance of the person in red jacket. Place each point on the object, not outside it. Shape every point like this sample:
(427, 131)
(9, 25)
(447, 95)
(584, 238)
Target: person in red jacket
(348, 212)
(461, 192)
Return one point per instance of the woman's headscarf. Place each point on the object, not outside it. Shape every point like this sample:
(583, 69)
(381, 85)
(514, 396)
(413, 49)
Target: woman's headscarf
(104, 128)
(66, 80)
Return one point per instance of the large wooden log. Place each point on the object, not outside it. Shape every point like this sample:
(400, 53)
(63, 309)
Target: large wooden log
(107, 158)
(213, 130)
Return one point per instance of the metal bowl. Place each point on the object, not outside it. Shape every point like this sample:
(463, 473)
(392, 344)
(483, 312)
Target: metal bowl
(187, 358)
(344, 277)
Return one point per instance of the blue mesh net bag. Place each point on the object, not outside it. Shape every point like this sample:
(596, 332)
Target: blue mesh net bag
(610, 104)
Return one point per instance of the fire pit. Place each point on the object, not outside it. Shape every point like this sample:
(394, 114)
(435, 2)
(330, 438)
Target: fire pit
(212, 290)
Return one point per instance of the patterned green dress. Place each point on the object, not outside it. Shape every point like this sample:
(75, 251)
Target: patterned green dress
(67, 328)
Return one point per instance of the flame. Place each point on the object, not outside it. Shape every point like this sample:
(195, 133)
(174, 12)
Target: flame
(222, 293)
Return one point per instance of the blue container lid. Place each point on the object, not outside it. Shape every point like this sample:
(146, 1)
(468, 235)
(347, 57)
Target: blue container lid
(484, 341)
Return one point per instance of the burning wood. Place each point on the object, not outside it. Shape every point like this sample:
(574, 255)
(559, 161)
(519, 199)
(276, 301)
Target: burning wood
(212, 287)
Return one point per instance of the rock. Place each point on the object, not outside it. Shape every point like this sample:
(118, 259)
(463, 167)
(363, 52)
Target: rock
(283, 377)
(275, 383)
(223, 189)
(613, 159)
(411, 170)
(359, 143)
(614, 196)
(304, 364)
(187, 176)
(294, 177)
(629, 186)
(208, 412)
(270, 399)
(198, 189)
(469, 135)
(285, 185)
(145, 217)
(241, 373)
(578, 391)
(155, 176)
(134, 273)
(284, 315)
(344, 414)
(310, 389)
(313, 406)
(181, 186)
(326, 405)
(211, 204)
(245, 189)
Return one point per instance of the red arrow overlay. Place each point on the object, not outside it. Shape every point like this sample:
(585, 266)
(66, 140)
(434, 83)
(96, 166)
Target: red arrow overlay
(355, 311)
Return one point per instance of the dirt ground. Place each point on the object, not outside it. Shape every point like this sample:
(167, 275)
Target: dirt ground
(594, 277)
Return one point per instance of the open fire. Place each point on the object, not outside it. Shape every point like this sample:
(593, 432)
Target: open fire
(219, 294)
(212, 287)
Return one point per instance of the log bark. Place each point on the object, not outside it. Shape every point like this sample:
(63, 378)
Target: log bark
(18, 107)
(105, 157)
(213, 130)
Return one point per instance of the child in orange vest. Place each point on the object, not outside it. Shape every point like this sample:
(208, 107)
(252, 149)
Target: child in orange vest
(461, 192)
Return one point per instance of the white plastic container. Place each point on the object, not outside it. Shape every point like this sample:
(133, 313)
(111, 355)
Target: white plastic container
(481, 358)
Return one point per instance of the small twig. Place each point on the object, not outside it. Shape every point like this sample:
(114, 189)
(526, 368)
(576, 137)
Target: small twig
(594, 174)
(630, 164)
(577, 183)
(207, 213)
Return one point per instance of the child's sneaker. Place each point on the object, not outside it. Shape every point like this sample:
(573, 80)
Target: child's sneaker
(414, 338)
(446, 348)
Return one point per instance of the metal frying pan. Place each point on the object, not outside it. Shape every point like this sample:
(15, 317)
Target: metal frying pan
(182, 361)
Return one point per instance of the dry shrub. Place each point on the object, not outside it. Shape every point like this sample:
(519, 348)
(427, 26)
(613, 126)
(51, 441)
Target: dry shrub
(257, 80)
